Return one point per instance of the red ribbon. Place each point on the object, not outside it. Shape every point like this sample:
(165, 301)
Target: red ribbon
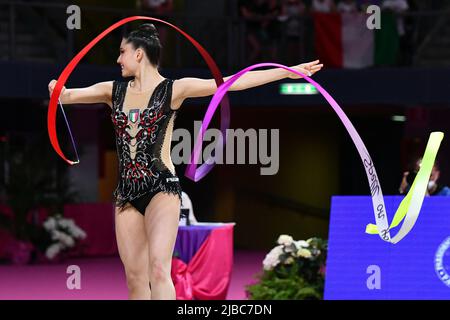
(52, 107)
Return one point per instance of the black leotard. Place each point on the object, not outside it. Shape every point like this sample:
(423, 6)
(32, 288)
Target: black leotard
(142, 172)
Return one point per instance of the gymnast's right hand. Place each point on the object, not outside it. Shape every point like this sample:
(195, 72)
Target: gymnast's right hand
(51, 87)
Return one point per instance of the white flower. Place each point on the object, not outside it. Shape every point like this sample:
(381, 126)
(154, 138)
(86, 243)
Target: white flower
(272, 259)
(53, 250)
(67, 240)
(63, 223)
(77, 232)
(305, 253)
(56, 235)
(285, 239)
(50, 224)
(82, 234)
(73, 229)
(290, 248)
(64, 232)
(301, 244)
(289, 260)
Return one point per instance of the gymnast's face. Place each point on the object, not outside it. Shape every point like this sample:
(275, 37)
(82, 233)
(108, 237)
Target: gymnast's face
(129, 58)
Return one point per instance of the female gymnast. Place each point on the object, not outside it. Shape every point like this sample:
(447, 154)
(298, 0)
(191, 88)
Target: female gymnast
(148, 195)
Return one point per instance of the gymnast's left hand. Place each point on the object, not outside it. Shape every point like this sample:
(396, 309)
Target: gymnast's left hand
(308, 68)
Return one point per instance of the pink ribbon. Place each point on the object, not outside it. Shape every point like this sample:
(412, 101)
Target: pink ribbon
(377, 196)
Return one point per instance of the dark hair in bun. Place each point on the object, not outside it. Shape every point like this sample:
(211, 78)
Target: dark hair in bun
(146, 37)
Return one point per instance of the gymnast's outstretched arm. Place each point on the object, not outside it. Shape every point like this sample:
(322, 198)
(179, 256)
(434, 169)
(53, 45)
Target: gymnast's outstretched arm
(195, 87)
(98, 93)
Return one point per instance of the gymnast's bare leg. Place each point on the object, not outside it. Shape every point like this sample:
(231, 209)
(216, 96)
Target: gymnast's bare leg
(133, 250)
(161, 222)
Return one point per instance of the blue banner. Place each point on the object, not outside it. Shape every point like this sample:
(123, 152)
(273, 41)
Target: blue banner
(360, 266)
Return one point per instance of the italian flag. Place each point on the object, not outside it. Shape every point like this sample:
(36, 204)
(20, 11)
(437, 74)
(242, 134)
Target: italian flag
(343, 40)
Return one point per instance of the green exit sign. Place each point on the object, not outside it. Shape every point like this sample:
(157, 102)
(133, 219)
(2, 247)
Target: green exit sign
(297, 88)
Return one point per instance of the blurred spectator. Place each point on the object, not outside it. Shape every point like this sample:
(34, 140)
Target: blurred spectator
(273, 27)
(159, 7)
(323, 6)
(347, 6)
(407, 46)
(433, 189)
(255, 13)
(399, 7)
(293, 12)
(363, 4)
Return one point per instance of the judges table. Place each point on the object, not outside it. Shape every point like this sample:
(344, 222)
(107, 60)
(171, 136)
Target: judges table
(202, 261)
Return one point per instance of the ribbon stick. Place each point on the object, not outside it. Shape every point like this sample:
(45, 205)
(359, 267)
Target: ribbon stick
(70, 133)
(409, 210)
(52, 107)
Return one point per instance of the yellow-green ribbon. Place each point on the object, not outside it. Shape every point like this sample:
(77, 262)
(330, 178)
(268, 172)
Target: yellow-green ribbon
(410, 206)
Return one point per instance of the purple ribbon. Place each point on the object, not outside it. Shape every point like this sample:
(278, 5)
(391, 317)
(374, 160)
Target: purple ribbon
(196, 174)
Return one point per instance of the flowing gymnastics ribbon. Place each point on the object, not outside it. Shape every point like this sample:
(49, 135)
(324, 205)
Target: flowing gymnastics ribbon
(409, 208)
(52, 107)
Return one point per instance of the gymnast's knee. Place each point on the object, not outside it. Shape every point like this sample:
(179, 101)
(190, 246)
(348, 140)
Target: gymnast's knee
(159, 271)
(136, 280)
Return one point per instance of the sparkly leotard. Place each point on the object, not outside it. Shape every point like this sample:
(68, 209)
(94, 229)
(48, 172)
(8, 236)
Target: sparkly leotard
(143, 139)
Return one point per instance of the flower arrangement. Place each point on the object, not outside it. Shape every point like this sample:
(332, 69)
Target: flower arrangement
(292, 270)
(63, 234)
(35, 179)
